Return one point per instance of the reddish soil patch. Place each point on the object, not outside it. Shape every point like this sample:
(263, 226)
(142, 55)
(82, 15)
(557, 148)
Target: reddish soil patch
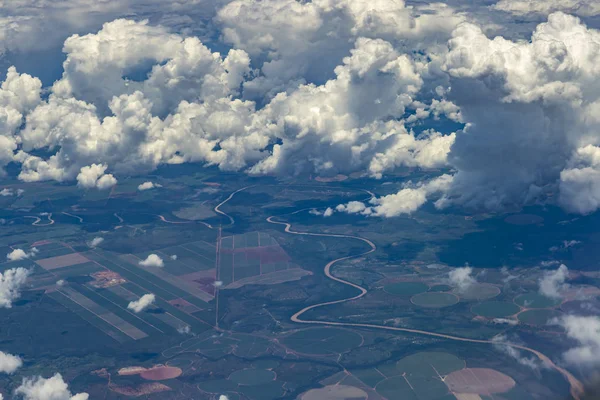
(206, 285)
(479, 380)
(131, 370)
(62, 261)
(161, 373)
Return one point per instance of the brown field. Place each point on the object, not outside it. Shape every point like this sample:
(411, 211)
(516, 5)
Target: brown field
(161, 373)
(467, 396)
(62, 261)
(131, 370)
(335, 392)
(141, 390)
(204, 280)
(479, 381)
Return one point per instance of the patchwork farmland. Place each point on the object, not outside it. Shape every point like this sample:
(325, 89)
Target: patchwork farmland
(254, 258)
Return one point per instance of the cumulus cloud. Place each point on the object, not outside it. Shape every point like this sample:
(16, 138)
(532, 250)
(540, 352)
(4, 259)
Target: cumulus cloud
(289, 38)
(20, 254)
(54, 388)
(406, 201)
(11, 282)
(553, 283)
(586, 332)
(529, 113)
(152, 260)
(223, 397)
(95, 242)
(173, 257)
(94, 176)
(322, 87)
(9, 363)
(462, 278)
(142, 303)
(148, 186)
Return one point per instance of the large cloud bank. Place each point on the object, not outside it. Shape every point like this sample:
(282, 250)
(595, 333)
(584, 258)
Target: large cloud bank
(326, 87)
(54, 388)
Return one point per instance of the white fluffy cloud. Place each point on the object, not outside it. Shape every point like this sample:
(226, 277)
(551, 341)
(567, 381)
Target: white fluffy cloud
(11, 282)
(54, 388)
(20, 254)
(142, 303)
(288, 39)
(9, 363)
(586, 332)
(94, 176)
(324, 87)
(529, 108)
(152, 260)
(553, 283)
(406, 201)
(148, 185)
(462, 278)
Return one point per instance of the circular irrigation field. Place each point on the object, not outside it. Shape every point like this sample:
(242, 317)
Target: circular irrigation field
(479, 381)
(495, 309)
(434, 299)
(252, 377)
(161, 373)
(406, 288)
(537, 317)
(427, 363)
(323, 341)
(536, 300)
(479, 291)
(419, 377)
(335, 392)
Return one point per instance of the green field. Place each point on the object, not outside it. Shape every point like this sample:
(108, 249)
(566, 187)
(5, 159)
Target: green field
(417, 377)
(323, 341)
(252, 376)
(536, 300)
(434, 299)
(495, 309)
(479, 291)
(406, 288)
(440, 288)
(538, 317)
